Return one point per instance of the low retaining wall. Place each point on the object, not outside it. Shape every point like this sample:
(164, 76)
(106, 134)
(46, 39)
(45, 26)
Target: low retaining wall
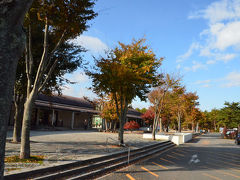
(177, 138)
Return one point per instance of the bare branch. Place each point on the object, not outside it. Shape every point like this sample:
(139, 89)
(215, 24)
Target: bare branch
(30, 53)
(48, 75)
(27, 68)
(55, 48)
(54, 64)
(29, 60)
(39, 74)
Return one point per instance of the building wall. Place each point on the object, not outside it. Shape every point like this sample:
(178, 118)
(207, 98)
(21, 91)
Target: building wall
(79, 119)
(65, 117)
(42, 116)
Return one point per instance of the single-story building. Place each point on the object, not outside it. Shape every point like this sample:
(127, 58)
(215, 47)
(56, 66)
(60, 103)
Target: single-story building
(70, 112)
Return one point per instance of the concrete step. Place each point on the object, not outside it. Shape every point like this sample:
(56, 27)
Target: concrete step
(99, 172)
(81, 167)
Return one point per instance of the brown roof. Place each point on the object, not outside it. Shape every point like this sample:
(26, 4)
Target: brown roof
(67, 100)
(65, 103)
(74, 104)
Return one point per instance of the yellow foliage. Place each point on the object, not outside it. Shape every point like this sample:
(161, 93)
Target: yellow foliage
(33, 159)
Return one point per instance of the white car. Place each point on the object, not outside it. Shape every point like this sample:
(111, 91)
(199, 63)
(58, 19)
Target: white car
(146, 129)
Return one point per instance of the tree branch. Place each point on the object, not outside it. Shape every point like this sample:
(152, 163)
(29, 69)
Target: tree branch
(116, 102)
(29, 60)
(54, 49)
(30, 53)
(27, 68)
(48, 75)
(49, 62)
(39, 74)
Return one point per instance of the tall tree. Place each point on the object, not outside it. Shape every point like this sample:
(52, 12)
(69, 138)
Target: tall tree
(227, 116)
(129, 71)
(193, 117)
(178, 104)
(157, 98)
(167, 113)
(11, 46)
(62, 21)
(19, 99)
(108, 112)
(230, 114)
(69, 59)
(192, 113)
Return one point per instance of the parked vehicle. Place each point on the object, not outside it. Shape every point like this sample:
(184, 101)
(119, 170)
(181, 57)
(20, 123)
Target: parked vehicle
(237, 140)
(146, 129)
(230, 134)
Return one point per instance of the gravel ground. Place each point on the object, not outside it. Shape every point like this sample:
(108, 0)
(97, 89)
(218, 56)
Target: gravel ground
(67, 146)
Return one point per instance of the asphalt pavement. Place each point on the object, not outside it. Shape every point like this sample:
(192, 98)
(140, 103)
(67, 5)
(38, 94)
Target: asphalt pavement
(60, 147)
(207, 157)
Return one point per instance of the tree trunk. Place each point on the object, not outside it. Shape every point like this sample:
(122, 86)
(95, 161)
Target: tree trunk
(179, 122)
(122, 121)
(32, 90)
(25, 138)
(154, 122)
(197, 127)
(11, 47)
(110, 125)
(154, 128)
(193, 126)
(115, 125)
(106, 125)
(121, 130)
(167, 128)
(19, 108)
(160, 125)
(215, 127)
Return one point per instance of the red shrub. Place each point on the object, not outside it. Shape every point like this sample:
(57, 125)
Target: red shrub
(131, 125)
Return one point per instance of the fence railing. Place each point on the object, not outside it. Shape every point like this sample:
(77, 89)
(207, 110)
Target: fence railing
(124, 145)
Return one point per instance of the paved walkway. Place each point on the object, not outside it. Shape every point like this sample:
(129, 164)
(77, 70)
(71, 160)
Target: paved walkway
(67, 146)
(206, 157)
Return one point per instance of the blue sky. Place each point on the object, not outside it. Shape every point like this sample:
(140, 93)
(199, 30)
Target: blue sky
(199, 39)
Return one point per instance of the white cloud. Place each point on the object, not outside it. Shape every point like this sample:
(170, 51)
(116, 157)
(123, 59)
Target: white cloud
(80, 77)
(225, 57)
(227, 36)
(211, 62)
(196, 65)
(221, 57)
(68, 90)
(93, 44)
(219, 11)
(224, 24)
(193, 47)
(78, 91)
(206, 85)
(232, 80)
(222, 35)
(86, 92)
(202, 82)
(80, 88)
(178, 66)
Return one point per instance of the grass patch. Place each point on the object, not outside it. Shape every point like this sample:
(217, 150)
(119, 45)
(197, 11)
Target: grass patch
(33, 159)
(12, 169)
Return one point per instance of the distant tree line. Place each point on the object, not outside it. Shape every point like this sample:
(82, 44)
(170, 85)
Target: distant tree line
(228, 116)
